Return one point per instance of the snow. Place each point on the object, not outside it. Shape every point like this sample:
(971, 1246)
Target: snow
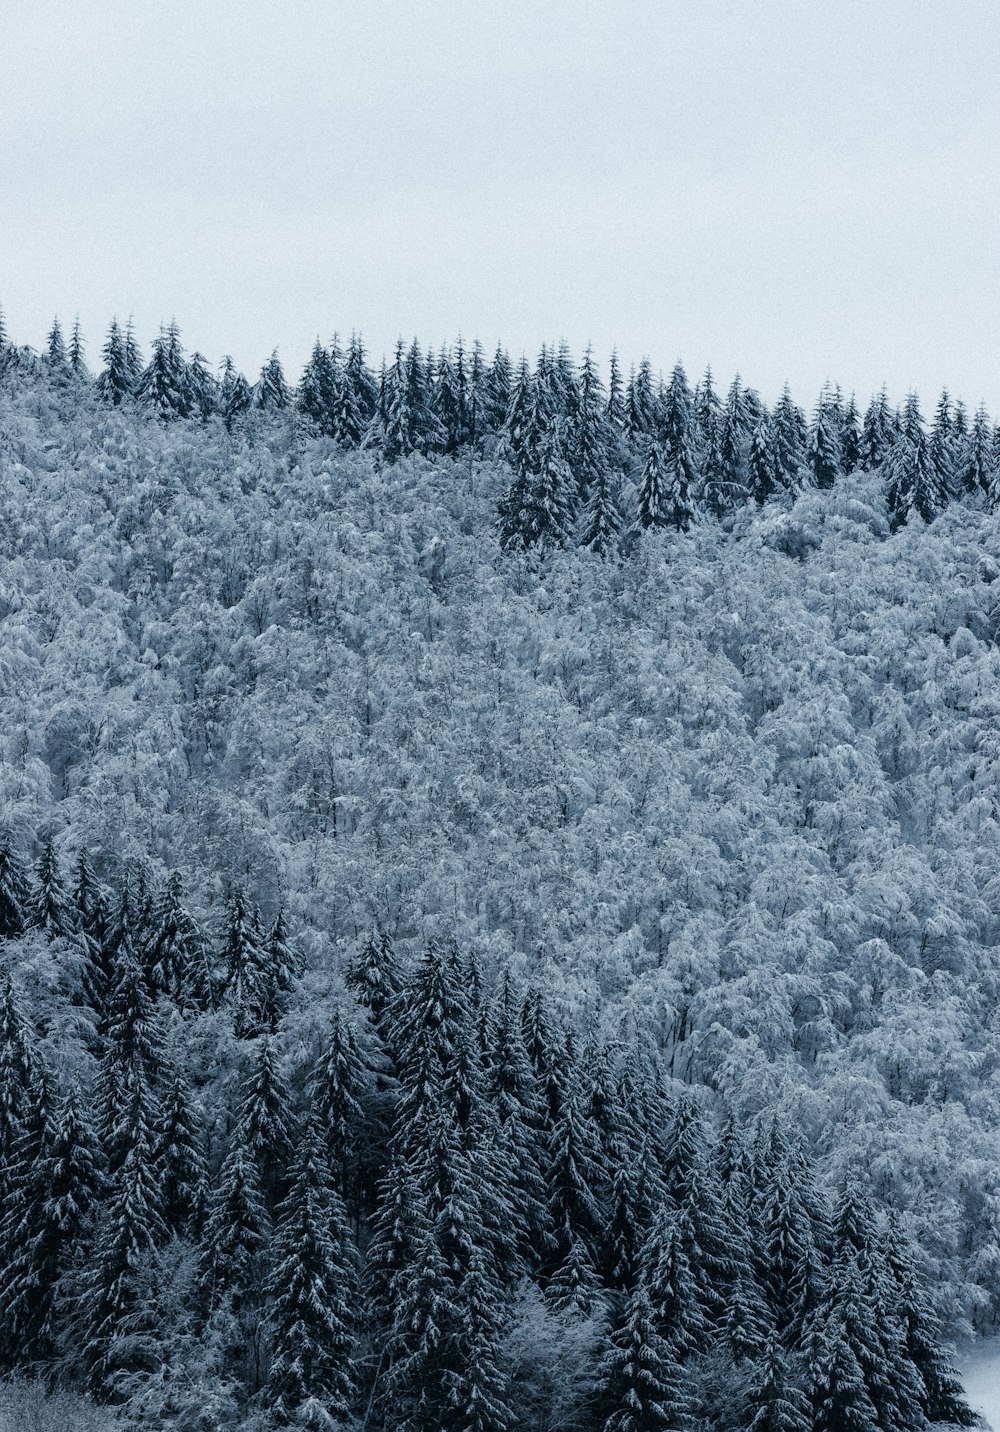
(980, 1369)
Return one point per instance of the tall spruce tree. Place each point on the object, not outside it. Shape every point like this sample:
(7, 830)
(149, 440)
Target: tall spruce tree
(313, 1285)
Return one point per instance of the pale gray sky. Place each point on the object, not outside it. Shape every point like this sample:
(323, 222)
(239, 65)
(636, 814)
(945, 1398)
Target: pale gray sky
(795, 190)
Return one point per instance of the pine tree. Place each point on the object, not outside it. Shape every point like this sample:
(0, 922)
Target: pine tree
(202, 389)
(129, 1070)
(319, 390)
(237, 1231)
(943, 1399)
(707, 408)
(977, 473)
(643, 413)
(43, 1223)
(824, 452)
(15, 891)
(512, 1089)
(653, 489)
(444, 1370)
(374, 976)
(312, 1283)
(764, 476)
(163, 384)
(76, 356)
(180, 1161)
(362, 390)
(338, 1094)
(850, 437)
(16, 1084)
(270, 392)
(235, 395)
(941, 449)
(497, 391)
(448, 402)
(133, 358)
(641, 1383)
(116, 1336)
(265, 1122)
(789, 443)
(665, 1270)
(777, 1404)
(176, 955)
(56, 349)
(50, 907)
(681, 469)
(877, 437)
(914, 486)
(244, 967)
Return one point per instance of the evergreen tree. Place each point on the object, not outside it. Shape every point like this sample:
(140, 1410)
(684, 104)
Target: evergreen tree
(362, 390)
(116, 1335)
(374, 976)
(641, 1382)
(943, 1399)
(764, 476)
(824, 451)
(789, 434)
(15, 892)
(270, 392)
(665, 1270)
(16, 1084)
(43, 1222)
(497, 391)
(265, 1122)
(941, 449)
(180, 1161)
(977, 472)
(850, 437)
(133, 358)
(777, 1404)
(201, 388)
(244, 967)
(76, 355)
(50, 908)
(163, 385)
(56, 349)
(877, 436)
(643, 413)
(237, 1230)
(318, 394)
(235, 394)
(653, 489)
(914, 485)
(339, 1089)
(176, 955)
(707, 408)
(312, 1284)
(129, 1069)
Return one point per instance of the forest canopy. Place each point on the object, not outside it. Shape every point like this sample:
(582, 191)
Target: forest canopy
(499, 893)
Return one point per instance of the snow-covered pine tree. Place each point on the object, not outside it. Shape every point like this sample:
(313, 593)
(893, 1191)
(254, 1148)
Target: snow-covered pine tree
(271, 393)
(44, 1219)
(313, 1287)
(824, 454)
(163, 386)
(116, 1336)
(180, 1160)
(15, 890)
(764, 476)
(777, 1403)
(642, 1385)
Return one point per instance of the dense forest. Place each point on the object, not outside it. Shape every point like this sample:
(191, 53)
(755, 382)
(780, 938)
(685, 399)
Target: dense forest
(499, 896)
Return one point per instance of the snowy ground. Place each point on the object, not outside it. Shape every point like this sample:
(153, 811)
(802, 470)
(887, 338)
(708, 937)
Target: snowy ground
(980, 1368)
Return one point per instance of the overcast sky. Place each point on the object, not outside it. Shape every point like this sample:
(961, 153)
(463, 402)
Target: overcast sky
(791, 190)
